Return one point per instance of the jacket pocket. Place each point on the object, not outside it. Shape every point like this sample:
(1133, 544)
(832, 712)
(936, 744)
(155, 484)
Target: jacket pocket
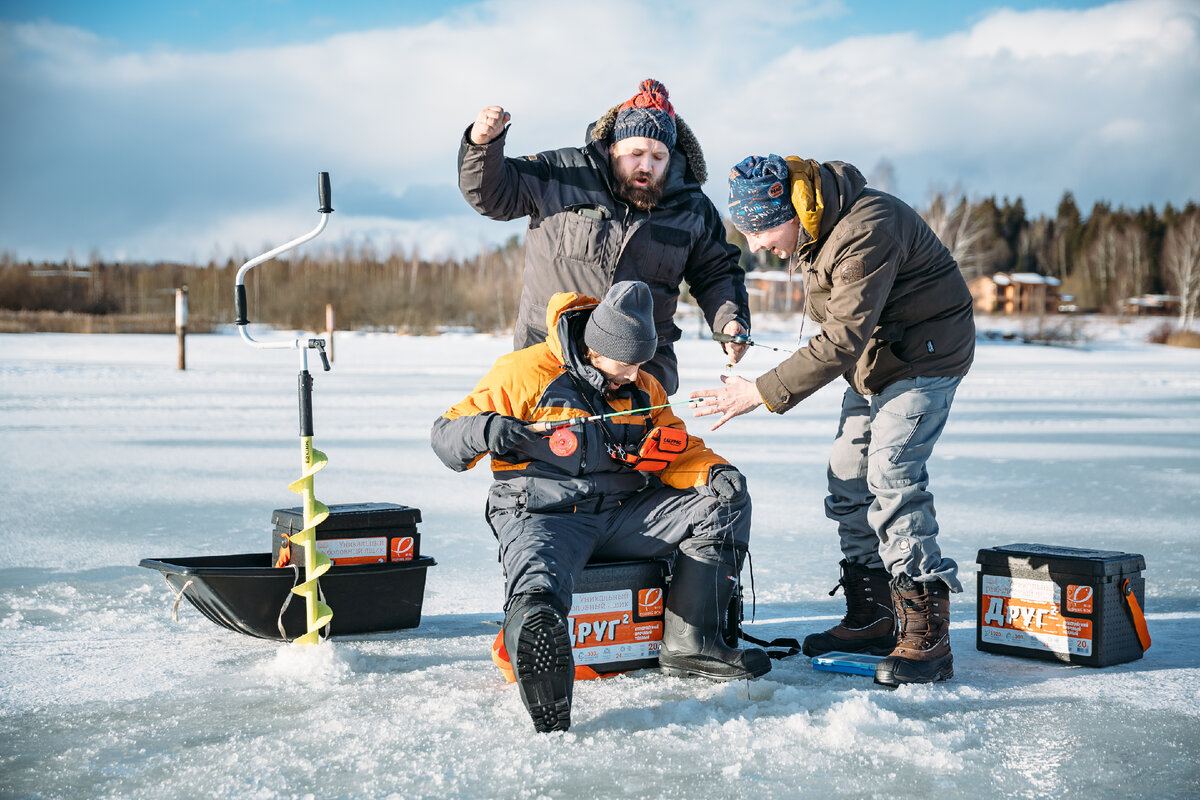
(583, 231)
(923, 341)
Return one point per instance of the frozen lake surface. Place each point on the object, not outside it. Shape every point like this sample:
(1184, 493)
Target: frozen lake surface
(111, 455)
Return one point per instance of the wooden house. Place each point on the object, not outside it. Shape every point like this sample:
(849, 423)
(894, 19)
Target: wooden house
(1015, 293)
(775, 291)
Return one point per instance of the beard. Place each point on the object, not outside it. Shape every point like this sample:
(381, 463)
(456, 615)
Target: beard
(645, 197)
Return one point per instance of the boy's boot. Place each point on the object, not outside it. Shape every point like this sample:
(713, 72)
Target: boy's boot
(539, 647)
(870, 622)
(694, 620)
(922, 653)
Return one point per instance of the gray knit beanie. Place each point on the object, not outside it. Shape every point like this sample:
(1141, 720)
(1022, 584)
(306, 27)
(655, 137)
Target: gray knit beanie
(622, 326)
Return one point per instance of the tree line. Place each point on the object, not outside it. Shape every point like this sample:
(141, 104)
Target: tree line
(1101, 259)
(397, 292)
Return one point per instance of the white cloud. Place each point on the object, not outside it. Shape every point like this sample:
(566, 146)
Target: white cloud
(1112, 30)
(173, 153)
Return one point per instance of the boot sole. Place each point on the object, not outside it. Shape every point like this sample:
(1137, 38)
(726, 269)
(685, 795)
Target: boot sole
(885, 673)
(544, 671)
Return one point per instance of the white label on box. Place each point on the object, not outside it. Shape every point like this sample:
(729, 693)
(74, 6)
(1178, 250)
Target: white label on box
(367, 550)
(1021, 612)
(616, 652)
(601, 602)
(1022, 588)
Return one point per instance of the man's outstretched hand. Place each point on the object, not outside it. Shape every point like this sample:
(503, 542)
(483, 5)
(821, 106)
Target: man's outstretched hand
(736, 397)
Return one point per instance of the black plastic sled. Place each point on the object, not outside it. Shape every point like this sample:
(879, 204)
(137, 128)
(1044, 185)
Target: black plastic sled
(245, 593)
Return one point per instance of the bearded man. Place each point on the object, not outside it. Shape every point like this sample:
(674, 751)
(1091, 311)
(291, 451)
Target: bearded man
(627, 205)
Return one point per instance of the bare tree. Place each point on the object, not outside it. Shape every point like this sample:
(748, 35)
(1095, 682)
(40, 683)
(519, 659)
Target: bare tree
(883, 176)
(960, 230)
(1105, 257)
(1181, 265)
(1133, 265)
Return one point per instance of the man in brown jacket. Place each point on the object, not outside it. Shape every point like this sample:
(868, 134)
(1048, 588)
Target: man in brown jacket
(896, 322)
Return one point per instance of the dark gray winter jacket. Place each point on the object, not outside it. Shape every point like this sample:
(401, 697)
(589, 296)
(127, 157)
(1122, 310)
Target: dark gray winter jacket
(890, 298)
(583, 238)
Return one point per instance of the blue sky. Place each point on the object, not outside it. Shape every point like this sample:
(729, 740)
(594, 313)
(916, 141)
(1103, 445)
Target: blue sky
(194, 130)
(229, 24)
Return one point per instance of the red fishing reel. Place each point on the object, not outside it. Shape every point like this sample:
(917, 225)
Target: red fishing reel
(563, 442)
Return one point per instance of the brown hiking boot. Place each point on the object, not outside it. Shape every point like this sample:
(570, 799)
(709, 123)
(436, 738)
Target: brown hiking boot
(922, 653)
(870, 623)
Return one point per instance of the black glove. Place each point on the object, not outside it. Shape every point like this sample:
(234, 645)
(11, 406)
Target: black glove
(506, 434)
(727, 484)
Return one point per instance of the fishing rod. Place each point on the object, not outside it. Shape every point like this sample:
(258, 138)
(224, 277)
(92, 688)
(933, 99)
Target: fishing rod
(744, 338)
(544, 427)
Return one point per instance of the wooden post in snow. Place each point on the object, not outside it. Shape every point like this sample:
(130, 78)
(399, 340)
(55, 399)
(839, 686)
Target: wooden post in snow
(181, 324)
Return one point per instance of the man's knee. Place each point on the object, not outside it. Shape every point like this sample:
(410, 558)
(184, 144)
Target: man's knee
(723, 521)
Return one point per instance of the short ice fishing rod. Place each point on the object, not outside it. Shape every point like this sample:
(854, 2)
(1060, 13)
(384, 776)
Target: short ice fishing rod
(744, 338)
(545, 427)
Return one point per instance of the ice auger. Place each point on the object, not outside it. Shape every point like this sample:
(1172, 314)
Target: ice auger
(316, 563)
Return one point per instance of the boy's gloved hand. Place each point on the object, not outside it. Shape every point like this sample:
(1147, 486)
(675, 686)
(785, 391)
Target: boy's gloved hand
(727, 484)
(505, 434)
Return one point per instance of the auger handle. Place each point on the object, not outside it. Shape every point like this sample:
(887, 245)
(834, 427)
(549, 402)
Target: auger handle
(323, 193)
(239, 289)
(319, 346)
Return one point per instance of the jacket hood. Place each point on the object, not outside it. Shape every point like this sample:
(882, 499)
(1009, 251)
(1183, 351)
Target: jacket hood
(567, 314)
(841, 185)
(686, 142)
(563, 305)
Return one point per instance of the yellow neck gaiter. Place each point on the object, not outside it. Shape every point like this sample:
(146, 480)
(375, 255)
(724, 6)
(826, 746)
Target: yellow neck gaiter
(806, 193)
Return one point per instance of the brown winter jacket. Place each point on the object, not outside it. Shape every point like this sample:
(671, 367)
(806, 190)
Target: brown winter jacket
(891, 300)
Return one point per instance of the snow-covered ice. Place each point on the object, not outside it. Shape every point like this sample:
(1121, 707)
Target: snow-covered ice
(109, 455)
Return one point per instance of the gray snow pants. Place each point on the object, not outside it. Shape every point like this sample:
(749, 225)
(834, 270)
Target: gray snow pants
(546, 551)
(878, 483)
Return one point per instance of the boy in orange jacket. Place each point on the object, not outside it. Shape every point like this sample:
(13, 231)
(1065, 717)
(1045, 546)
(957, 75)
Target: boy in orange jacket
(559, 501)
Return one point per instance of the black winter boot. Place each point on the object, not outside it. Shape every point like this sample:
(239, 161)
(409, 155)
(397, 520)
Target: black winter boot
(539, 648)
(870, 622)
(922, 653)
(693, 625)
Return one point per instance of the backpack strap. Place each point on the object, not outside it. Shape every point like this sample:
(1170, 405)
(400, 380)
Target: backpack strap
(792, 645)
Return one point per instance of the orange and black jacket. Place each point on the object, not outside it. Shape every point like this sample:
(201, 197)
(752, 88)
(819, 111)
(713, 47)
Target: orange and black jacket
(551, 381)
